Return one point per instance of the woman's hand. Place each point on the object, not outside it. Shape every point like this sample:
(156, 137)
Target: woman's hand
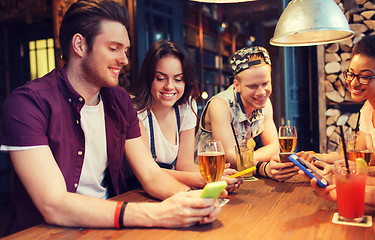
(329, 192)
(233, 183)
(329, 158)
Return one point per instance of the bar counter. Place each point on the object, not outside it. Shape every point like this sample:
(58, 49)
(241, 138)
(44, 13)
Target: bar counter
(263, 209)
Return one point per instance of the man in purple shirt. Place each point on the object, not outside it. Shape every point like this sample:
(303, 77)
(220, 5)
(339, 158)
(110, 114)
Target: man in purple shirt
(68, 132)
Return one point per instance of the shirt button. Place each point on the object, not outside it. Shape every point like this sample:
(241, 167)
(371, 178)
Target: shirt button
(77, 121)
(79, 153)
(80, 99)
(75, 185)
(70, 100)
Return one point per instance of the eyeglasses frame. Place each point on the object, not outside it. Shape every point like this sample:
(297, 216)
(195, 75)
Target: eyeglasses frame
(358, 76)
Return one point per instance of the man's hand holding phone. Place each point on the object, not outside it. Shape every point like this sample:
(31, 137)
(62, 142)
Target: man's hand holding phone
(213, 190)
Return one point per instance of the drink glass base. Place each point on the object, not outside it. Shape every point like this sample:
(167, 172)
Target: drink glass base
(354, 220)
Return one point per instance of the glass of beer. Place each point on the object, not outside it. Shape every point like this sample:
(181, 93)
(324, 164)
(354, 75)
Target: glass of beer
(287, 138)
(359, 145)
(211, 160)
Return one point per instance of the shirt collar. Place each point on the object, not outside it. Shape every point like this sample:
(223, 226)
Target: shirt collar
(255, 115)
(72, 95)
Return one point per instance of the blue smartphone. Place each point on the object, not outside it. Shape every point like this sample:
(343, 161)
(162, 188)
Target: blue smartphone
(214, 189)
(299, 162)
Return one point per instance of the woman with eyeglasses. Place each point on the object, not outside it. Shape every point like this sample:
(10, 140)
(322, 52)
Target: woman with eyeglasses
(360, 80)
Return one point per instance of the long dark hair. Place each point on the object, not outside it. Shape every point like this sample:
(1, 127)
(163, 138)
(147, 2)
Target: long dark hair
(141, 88)
(84, 17)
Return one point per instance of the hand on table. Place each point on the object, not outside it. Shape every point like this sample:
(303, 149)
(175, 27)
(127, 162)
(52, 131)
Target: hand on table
(280, 171)
(185, 209)
(233, 183)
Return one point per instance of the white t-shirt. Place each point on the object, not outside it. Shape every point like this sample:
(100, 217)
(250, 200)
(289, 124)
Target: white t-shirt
(365, 120)
(165, 151)
(95, 159)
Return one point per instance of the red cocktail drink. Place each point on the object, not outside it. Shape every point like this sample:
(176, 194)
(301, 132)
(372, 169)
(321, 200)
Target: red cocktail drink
(351, 195)
(350, 188)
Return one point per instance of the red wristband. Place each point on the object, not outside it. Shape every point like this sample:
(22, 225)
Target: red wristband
(117, 214)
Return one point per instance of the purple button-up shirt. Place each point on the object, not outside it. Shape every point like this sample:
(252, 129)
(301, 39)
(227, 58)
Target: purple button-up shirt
(46, 111)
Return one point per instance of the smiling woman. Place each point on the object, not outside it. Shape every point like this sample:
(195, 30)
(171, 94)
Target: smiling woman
(360, 79)
(164, 96)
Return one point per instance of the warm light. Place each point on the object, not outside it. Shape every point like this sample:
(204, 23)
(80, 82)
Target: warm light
(250, 41)
(311, 22)
(41, 57)
(223, 26)
(204, 95)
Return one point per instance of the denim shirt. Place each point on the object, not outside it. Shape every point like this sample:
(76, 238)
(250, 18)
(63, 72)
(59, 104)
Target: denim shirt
(244, 127)
(46, 111)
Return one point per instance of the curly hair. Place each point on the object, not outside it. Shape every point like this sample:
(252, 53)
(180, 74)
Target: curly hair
(366, 47)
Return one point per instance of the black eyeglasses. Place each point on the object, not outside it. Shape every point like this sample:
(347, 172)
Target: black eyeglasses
(362, 79)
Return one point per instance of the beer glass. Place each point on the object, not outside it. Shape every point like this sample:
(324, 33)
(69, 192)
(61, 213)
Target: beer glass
(211, 160)
(287, 138)
(359, 145)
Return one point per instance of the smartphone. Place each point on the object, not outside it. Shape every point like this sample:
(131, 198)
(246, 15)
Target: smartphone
(284, 157)
(214, 189)
(322, 182)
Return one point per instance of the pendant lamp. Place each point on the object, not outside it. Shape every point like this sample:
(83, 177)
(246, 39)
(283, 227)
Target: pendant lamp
(311, 22)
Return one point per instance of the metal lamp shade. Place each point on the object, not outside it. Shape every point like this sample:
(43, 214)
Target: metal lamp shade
(311, 22)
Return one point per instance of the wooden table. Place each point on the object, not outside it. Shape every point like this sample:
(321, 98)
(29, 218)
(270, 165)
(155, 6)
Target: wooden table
(263, 209)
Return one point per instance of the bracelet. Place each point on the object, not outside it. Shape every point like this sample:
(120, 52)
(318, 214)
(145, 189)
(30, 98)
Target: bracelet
(117, 214)
(121, 216)
(264, 169)
(258, 168)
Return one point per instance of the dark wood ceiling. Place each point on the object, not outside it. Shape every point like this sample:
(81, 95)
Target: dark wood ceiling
(259, 10)
(33, 10)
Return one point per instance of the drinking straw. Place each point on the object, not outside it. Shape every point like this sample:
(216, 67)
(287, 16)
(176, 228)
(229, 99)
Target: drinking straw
(243, 172)
(357, 125)
(235, 138)
(344, 148)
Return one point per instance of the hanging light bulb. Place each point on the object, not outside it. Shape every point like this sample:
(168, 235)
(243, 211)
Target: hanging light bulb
(204, 95)
(250, 41)
(311, 22)
(223, 26)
